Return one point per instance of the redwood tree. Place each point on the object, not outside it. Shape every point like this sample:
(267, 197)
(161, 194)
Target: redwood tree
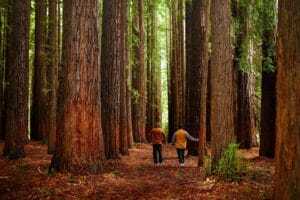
(138, 73)
(196, 78)
(40, 90)
(123, 90)
(110, 76)
(268, 112)
(154, 109)
(287, 156)
(52, 75)
(79, 134)
(222, 123)
(177, 69)
(16, 104)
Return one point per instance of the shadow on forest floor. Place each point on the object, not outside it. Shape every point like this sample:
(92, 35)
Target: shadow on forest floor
(131, 177)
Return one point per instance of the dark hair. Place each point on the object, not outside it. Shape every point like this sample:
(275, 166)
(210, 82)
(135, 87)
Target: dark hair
(180, 126)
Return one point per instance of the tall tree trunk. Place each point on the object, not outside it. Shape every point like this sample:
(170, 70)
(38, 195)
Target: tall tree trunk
(177, 69)
(244, 115)
(2, 69)
(222, 124)
(268, 112)
(40, 91)
(79, 134)
(154, 109)
(138, 75)
(196, 76)
(123, 89)
(52, 75)
(110, 76)
(287, 162)
(16, 127)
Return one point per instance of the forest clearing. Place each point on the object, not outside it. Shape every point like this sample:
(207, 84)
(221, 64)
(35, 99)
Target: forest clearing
(132, 177)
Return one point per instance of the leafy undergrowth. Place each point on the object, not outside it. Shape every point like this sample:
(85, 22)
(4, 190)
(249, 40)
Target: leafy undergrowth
(131, 177)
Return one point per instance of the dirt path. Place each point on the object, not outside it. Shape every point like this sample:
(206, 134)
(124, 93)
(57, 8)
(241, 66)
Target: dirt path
(131, 177)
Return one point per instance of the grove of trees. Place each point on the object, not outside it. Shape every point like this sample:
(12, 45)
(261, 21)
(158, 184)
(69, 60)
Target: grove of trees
(91, 78)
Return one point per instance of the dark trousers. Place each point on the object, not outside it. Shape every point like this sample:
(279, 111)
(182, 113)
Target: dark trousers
(157, 153)
(180, 153)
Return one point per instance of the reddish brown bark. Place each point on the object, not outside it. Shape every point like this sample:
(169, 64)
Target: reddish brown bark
(110, 76)
(287, 162)
(123, 82)
(79, 134)
(52, 75)
(40, 90)
(138, 75)
(222, 119)
(16, 104)
(177, 69)
(196, 77)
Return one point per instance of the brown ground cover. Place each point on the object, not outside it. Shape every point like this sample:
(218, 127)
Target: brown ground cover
(132, 177)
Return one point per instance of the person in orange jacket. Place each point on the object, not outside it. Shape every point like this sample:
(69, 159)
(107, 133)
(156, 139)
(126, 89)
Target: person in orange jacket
(157, 138)
(179, 140)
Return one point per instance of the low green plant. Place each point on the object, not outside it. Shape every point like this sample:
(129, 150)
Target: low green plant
(116, 172)
(230, 166)
(44, 141)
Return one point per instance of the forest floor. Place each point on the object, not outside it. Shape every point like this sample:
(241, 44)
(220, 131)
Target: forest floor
(132, 177)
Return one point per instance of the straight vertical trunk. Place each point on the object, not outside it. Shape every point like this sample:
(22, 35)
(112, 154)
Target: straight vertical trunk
(153, 71)
(268, 105)
(40, 90)
(110, 76)
(16, 104)
(287, 156)
(138, 75)
(197, 78)
(80, 146)
(177, 69)
(222, 124)
(123, 90)
(52, 75)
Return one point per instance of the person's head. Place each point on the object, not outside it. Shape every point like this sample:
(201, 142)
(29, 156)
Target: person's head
(157, 124)
(180, 126)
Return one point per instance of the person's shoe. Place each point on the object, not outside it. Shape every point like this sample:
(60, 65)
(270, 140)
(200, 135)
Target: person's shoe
(156, 164)
(181, 165)
(160, 164)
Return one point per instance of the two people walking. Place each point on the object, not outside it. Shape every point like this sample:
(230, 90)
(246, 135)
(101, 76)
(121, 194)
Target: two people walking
(179, 140)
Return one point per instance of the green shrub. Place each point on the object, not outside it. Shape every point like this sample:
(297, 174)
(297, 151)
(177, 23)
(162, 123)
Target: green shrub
(230, 166)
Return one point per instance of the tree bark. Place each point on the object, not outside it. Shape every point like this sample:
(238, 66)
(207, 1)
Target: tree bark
(287, 156)
(268, 105)
(40, 91)
(110, 76)
(16, 126)
(123, 90)
(79, 135)
(222, 124)
(138, 75)
(154, 107)
(196, 76)
(52, 75)
(177, 69)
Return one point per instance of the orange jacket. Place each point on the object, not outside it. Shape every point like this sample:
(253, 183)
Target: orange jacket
(157, 136)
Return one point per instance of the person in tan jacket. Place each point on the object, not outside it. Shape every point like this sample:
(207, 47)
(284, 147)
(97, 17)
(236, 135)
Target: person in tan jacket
(157, 138)
(179, 141)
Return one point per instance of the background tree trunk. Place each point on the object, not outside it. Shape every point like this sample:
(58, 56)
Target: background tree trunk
(154, 107)
(79, 135)
(268, 112)
(52, 75)
(123, 89)
(177, 69)
(138, 74)
(40, 91)
(196, 76)
(222, 122)
(287, 163)
(16, 127)
(110, 76)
